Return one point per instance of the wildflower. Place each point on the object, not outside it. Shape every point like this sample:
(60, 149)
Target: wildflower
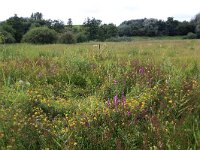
(28, 83)
(123, 99)
(141, 70)
(115, 82)
(143, 104)
(170, 101)
(129, 113)
(20, 82)
(75, 143)
(116, 100)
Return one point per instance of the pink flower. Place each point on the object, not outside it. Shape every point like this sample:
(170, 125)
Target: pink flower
(123, 99)
(129, 113)
(115, 82)
(116, 100)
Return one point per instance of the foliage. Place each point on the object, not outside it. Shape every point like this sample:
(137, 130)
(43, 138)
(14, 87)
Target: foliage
(132, 28)
(40, 35)
(6, 37)
(91, 27)
(69, 23)
(57, 25)
(20, 26)
(81, 37)
(107, 31)
(93, 30)
(8, 28)
(67, 38)
(191, 35)
(196, 24)
(37, 16)
(127, 95)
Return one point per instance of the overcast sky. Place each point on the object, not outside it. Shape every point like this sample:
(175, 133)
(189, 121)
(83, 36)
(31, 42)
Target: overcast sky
(109, 11)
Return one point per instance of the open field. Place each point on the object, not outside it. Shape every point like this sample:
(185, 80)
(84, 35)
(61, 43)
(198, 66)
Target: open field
(127, 95)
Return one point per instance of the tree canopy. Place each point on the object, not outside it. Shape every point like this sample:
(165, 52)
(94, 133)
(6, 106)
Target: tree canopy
(15, 28)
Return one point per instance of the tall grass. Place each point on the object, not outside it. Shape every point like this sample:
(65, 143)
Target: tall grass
(127, 95)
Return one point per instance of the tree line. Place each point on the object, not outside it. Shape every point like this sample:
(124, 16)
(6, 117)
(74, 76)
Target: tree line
(35, 29)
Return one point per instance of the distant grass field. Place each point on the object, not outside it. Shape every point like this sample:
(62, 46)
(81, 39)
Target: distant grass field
(143, 94)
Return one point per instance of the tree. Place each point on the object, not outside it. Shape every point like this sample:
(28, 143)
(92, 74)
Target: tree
(92, 27)
(112, 30)
(107, 31)
(20, 26)
(69, 23)
(185, 27)
(125, 30)
(197, 24)
(162, 27)
(172, 26)
(57, 25)
(37, 16)
(132, 28)
(151, 27)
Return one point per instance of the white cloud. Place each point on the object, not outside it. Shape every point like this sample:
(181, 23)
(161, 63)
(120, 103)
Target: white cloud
(114, 11)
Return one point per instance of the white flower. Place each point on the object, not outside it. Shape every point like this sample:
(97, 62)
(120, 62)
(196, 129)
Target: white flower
(28, 83)
(20, 82)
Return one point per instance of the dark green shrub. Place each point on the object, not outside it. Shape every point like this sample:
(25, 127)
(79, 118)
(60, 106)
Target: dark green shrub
(6, 37)
(67, 38)
(81, 37)
(191, 35)
(40, 35)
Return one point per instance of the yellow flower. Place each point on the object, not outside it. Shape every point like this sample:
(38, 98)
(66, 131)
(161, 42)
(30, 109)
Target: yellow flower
(170, 101)
(75, 143)
(143, 104)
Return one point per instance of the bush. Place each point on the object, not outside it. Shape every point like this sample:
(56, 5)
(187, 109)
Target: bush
(81, 37)
(40, 35)
(6, 37)
(67, 38)
(191, 35)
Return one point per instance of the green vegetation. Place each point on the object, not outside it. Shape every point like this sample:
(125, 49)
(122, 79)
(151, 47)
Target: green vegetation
(16, 28)
(67, 38)
(40, 35)
(127, 95)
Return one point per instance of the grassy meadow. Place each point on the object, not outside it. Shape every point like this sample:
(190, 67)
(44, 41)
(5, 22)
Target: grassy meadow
(143, 94)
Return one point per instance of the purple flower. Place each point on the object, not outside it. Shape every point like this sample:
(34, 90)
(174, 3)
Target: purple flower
(116, 100)
(141, 70)
(129, 113)
(123, 99)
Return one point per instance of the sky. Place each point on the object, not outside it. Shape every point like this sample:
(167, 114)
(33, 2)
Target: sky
(109, 11)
